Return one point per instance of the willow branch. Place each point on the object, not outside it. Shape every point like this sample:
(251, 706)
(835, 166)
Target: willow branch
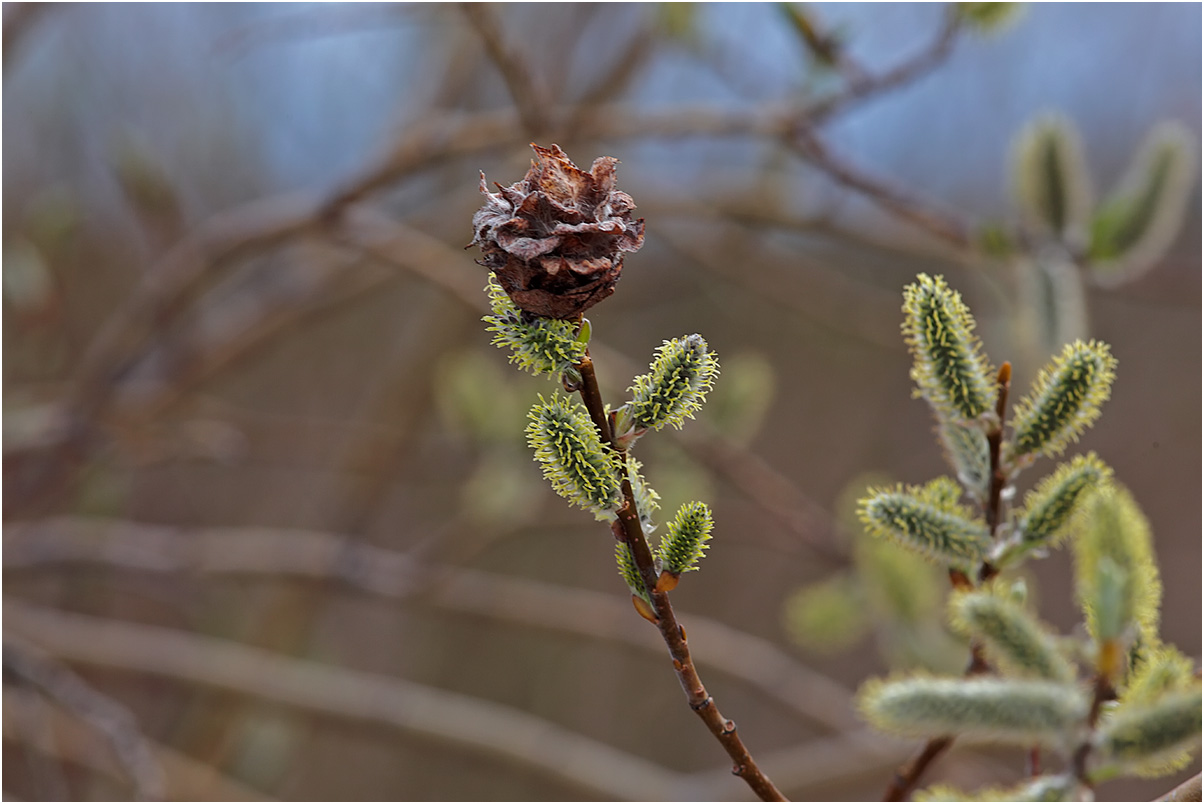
(470, 723)
(1188, 791)
(631, 532)
(527, 97)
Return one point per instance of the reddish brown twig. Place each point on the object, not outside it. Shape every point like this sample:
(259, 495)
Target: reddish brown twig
(632, 533)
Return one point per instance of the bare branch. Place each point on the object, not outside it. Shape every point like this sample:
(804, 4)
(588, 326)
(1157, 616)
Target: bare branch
(473, 724)
(527, 97)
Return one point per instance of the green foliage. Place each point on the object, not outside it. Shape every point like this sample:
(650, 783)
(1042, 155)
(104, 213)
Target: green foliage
(1136, 225)
(989, 17)
(538, 345)
(686, 538)
(1153, 738)
(681, 374)
(1051, 182)
(1012, 639)
(1115, 575)
(1065, 400)
(1015, 711)
(924, 519)
(949, 367)
(827, 616)
(1062, 787)
(1049, 508)
(566, 444)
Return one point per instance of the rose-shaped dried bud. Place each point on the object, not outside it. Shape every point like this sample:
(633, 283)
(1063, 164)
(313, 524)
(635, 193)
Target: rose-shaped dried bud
(555, 240)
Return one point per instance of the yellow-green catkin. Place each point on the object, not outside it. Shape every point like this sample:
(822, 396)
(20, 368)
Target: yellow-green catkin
(1115, 575)
(1152, 739)
(1013, 640)
(1049, 508)
(989, 18)
(566, 444)
(537, 345)
(1050, 180)
(1137, 224)
(926, 520)
(674, 389)
(686, 538)
(1065, 400)
(630, 572)
(1059, 787)
(966, 449)
(949, 368)
(1014, 711)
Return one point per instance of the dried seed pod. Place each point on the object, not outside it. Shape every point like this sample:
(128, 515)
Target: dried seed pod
(555, 240)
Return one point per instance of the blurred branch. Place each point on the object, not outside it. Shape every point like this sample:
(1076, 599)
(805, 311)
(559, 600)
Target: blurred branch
(67, 739)
(19, 19)
(470, 723)
(527, 97)
(100, 712)
(1188, 791)
(281, 553)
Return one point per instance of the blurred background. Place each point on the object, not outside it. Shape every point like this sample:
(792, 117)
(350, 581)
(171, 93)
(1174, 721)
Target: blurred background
(271, 528)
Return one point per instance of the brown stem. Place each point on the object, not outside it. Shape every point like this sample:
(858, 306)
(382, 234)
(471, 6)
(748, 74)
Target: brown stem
(908, 776)
(674, 635)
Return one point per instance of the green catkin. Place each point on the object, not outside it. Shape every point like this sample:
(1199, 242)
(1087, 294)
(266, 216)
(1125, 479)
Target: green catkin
(630, 572)
(1065, 400)
(949, 367)
(647, 501)
(1051, 182)
(537, 345)
(574, 460)
(1013, 711)
(1158, 670)
(944, 533)
(1013, 640)
(966, 449)
(676, 386)
(1115, 575)
(988, 18)
(1049, 508)
(686, 538)
(1062, 787)
(1151, 739)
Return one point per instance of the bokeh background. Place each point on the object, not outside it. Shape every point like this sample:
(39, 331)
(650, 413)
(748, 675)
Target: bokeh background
(266, 492)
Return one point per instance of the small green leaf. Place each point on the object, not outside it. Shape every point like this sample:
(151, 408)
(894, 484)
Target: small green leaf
(1065, 400)
(1018, 712)
(675, 388)
(949, 367)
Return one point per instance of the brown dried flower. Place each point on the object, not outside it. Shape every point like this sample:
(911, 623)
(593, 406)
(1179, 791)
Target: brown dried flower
(555, 240)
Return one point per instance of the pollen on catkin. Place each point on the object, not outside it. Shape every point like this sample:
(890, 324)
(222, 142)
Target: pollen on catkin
(538, 345)
(1065, 400)
(630, 572)
(949, 367)
(1049, 508)
(580, 468)
(1014, 711)
(1151, 739)
(920, 519)
(686, 538)
(674, 389)
(1014, 641)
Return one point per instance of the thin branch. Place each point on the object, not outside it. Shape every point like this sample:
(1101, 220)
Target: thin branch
(280, 553)
(1188, 791)
(527, 96)
(70, 740)
(471, 723)
(102, 713)
(630, 531)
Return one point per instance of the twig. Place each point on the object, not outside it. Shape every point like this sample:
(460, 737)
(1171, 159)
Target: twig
(281, 553)
(527, 97)
(470, 723)
(17, 24)
(101, 712)
(1188, 791)
(629, 530)
(908, 776)
(67, 739)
